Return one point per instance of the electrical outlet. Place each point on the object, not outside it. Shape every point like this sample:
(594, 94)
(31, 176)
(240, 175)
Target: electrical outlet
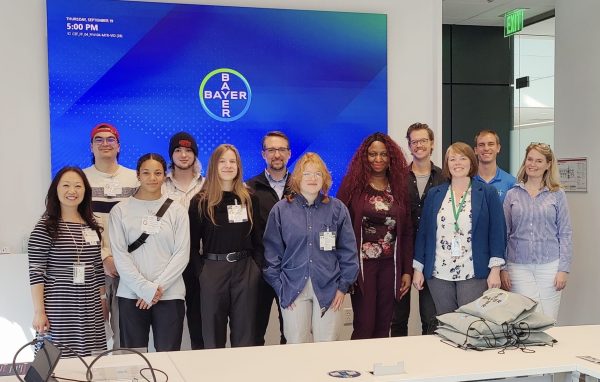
(348, 316)
(5, 250)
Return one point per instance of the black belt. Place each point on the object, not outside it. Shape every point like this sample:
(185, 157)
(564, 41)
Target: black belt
(231, 257)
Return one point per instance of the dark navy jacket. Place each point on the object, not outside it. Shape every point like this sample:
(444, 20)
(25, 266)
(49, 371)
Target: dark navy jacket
(488, 228)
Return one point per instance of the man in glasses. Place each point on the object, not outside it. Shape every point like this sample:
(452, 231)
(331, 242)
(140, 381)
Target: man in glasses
(423, 175)
(110, 184)
(181, 184)
(487, 148)
(270, 186)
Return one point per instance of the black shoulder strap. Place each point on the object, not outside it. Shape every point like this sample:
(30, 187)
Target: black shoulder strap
(142, 239)
(161, 211)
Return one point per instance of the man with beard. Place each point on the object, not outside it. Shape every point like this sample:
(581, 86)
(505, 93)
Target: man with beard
(111, 183)
(181, 184)
(423, 175)
(487, 148)
(270, 186)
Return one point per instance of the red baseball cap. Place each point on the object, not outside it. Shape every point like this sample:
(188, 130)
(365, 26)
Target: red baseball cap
(104, 128)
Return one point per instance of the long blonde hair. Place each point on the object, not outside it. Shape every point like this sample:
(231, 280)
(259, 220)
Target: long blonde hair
(212, 190)
(551, 178)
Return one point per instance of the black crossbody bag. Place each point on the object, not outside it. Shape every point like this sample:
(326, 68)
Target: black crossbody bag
(142, 239)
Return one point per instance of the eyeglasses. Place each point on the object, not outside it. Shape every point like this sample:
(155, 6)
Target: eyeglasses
(273, 150)
(107, 140)
(308, 174)
(417, 142)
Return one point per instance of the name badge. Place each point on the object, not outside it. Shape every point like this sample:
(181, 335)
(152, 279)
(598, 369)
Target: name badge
(150, 225)
(237, 213)
(327, 241)
(90, 236)
(456, 247)
(113, 189)
(78, 273)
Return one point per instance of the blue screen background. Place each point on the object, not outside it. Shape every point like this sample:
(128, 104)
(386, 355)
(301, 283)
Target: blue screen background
(320, 77)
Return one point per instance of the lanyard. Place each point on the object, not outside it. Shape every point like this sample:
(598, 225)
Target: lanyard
(461, 206)
(78, 249)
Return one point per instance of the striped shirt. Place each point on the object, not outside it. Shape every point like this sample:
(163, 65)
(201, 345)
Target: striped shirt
(73, 309)
(539, 229)
(107, 191)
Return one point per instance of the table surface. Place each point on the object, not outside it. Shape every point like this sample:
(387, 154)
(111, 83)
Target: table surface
(73, 368)
(425, 358)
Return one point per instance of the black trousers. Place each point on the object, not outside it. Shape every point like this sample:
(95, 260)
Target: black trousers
(229, 291)
(427, 311)
(165, 318)
(192, 303)
(266, 295)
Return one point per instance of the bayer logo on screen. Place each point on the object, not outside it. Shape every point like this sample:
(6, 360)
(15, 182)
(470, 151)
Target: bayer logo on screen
(225, 94)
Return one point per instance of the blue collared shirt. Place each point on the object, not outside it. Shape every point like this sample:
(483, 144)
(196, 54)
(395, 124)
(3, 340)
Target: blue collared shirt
(277, 185)
(292, 253)
(539, 229)
(502, 181)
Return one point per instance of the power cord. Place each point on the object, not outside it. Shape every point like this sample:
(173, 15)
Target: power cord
(38, 341)
(88, 374)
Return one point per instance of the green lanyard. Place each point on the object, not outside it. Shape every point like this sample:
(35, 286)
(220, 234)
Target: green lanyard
(461, 206)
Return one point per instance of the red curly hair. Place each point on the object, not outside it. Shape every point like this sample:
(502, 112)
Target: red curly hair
(358, 176)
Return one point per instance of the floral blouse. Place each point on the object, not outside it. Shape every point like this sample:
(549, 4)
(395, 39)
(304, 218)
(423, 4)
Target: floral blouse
(454, 265)
(378, 224)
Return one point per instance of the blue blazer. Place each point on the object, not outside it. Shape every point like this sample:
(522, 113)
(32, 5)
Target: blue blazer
(488, 235)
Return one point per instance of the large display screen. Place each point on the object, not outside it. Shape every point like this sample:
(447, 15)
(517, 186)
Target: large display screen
(224, 74)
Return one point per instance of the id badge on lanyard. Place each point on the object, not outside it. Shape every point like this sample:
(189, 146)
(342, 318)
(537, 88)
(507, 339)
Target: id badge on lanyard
(78, 273)
(150, 224)
(237, 213)
(456, 247)
(113, 188)
(327, 240)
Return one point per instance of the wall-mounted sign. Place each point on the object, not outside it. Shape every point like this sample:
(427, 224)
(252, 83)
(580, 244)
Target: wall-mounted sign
(573, 174)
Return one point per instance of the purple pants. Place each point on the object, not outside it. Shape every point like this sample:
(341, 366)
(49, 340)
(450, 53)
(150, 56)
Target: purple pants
(374, 305)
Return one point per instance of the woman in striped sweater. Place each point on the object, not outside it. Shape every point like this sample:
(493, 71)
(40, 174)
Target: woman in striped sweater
(65, 268)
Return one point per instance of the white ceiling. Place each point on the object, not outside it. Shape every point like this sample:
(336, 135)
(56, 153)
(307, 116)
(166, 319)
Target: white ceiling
(490, 12)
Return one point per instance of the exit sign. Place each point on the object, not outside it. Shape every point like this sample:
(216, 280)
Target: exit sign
(513, 21)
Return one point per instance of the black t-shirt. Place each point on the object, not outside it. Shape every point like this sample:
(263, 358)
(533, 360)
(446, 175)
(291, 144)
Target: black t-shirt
(224, 237)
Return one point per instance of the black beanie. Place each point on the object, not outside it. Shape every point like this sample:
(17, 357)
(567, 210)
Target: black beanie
(182, 139)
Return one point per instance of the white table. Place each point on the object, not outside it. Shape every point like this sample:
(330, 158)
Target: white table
(425, 357)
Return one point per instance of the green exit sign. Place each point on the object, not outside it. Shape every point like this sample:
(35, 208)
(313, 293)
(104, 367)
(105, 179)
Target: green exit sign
(513, 21)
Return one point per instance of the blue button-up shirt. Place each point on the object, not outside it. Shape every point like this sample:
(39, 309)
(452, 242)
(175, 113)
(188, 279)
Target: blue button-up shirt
(277, 185)
(539, 229)
(502, 181)
(292, 253)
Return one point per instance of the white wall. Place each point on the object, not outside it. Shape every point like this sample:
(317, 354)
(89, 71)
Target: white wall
(414, 78)
(24, 131)
(577, 116)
